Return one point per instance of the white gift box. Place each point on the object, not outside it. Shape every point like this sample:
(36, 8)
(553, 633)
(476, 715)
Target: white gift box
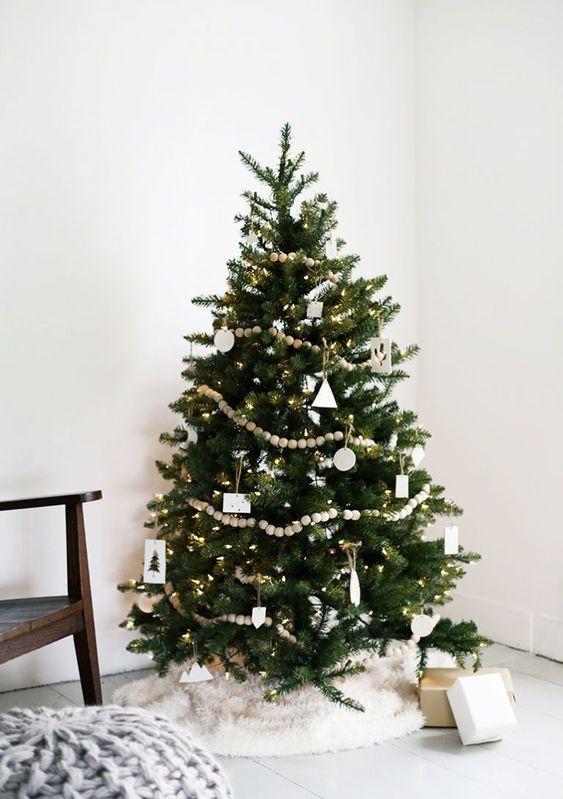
(481, 708)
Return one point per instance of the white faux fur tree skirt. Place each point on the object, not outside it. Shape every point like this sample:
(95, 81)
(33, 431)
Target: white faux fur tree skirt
(232, 718)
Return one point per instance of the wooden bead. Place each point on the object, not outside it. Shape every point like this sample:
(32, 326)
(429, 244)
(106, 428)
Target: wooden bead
(347, 514)
(267, 435)
(274, 257)
(311, 443)
(315, 518)
(242, 522)
(288, 530)
(333, 513)
(301, 443)
(297, 527)
(329, 436)
(324, 516)
(339, 435)
(309, 262)
(297, 343)
(274, 440)
(268, 621)
(251, 522)
(258, 430)
(256, 330)
(291, 255)
(273, 331)
(292, 443)
(315, 348)
(217, 515)
(239, 332)
(270, 529)
(305, 520)
(320, 440)
(247, 332)
(283, 442)
(282, 258)
(250, 426)
(231, 617)
(210, 510)
(278, 532)
(239, 620)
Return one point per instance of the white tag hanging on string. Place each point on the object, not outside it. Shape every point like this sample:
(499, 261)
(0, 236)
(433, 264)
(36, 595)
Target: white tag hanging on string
(236, 503)
(417, 455)
(344, 459)
(354, 588)
(331, 250)
(325, 397)
(191, 435)
(315, 309)
(197, 673)
(155, 561)
(402, 486)
(451, 540)
(380, 358)
(422, 624)
(224, 340)
(258, 616)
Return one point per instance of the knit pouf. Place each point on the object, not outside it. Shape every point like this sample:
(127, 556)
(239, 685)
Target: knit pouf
(102, 753)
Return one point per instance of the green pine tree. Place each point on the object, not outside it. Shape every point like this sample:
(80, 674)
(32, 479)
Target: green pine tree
(154, 565)
(252, 409)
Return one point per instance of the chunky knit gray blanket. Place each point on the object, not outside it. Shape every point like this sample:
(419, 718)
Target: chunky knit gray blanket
(102, 753)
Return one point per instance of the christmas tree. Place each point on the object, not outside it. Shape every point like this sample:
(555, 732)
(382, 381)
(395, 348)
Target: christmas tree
(295, 520)
(154, 565)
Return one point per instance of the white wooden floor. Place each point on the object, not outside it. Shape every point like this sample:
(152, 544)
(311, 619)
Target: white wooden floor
(430, 764)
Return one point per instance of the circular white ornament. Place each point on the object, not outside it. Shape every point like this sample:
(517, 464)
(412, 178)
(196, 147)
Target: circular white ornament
(423, 625)
(224, 340)
(344, 459)
(146, 603)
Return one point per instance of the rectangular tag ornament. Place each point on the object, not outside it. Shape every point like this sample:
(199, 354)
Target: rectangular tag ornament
(155, 561)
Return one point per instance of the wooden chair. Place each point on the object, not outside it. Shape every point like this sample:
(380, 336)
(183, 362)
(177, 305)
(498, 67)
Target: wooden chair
(28, 624)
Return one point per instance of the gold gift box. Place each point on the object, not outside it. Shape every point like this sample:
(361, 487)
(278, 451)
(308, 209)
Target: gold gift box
(433, 692)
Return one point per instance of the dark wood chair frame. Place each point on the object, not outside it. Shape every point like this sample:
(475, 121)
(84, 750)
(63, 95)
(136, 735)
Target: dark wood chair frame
(28, 624)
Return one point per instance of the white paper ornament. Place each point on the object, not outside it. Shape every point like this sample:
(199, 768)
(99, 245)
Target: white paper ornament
(354, 588)
(258, 616)
(380, 360)
(251, 238)
(331, 250)
(417, 455)
(315, 309)
(344, 459)
(423, 625)
(197, 674)
(192, 435)
(155, 561)
(393, 438)
(402, 486)
(451, 540)
(146, 603)
(325, 397)
(236, 503)
(224, 340)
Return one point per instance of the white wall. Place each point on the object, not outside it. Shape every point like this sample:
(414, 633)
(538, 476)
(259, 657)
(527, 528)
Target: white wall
(490, 249)
(119, 129)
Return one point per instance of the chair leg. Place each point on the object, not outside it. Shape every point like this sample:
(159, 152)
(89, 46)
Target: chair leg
(87, 657)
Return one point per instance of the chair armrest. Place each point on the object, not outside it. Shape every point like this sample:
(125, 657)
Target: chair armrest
(43, 502)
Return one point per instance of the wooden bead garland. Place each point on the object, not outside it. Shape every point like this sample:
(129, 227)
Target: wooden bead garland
(278, 441)
(230, 520)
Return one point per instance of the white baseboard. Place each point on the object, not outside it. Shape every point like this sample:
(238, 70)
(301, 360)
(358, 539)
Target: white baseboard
(521, 629)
